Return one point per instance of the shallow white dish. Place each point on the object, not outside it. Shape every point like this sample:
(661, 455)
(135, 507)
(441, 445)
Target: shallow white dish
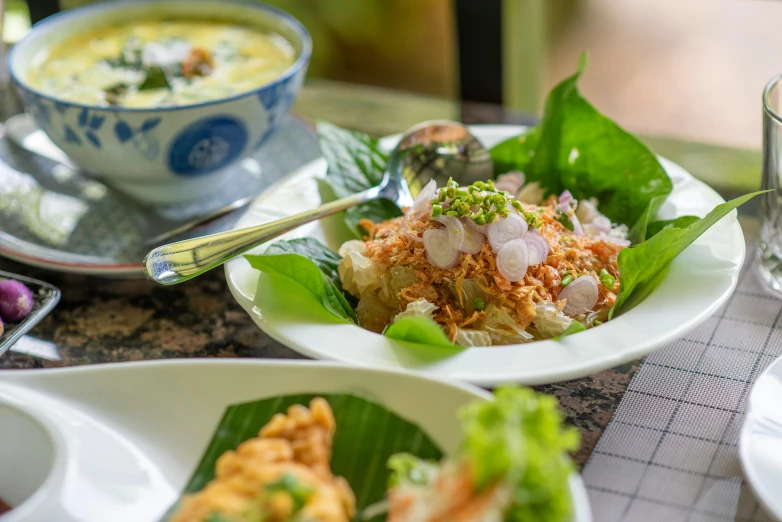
(119, 441)
(760, 444)
(698, 282)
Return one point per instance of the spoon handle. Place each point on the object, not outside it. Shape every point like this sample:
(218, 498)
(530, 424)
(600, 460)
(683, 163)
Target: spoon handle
(178, 262)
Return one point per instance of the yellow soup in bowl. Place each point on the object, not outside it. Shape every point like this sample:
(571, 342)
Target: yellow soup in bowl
(158, 63)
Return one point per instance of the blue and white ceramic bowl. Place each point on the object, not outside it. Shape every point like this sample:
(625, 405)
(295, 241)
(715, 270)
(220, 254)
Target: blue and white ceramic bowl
(169, 154)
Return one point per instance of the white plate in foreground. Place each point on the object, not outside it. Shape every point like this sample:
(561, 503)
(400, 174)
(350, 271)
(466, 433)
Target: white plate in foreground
(119, 441)
(760, 444)
(697, 283)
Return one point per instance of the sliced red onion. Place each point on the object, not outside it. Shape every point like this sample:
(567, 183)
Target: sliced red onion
(581, 295)
(454, 228)
(538, 247)
(423, 200)
(567, 205)
(602, 223)
(577, 228)
(510, 182)
(439, 250)
(412, 235)
(565, 201)
(473, 237)
(506, 229)
(513, 260)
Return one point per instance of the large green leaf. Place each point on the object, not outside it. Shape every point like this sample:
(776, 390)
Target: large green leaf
(355, 163)
(578, 149)
(367, 436)
(308, 274)
(326, 259)
(420, 330)
(574, 328)
(640, 264)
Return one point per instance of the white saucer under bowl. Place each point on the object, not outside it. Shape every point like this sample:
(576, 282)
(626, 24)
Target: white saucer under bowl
(57, 218)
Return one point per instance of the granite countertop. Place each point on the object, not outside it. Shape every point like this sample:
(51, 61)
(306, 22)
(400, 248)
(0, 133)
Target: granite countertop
(102, 320)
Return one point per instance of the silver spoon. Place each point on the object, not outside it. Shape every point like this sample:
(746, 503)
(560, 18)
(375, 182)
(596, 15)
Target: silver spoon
(431, 150)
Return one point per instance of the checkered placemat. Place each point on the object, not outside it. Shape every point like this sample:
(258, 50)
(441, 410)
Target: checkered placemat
(670, 453)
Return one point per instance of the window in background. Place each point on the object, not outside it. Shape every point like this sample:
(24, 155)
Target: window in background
(16, 21)
(692, 69)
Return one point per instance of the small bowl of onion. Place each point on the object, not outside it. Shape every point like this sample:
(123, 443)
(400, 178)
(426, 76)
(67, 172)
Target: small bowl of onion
(24, 302)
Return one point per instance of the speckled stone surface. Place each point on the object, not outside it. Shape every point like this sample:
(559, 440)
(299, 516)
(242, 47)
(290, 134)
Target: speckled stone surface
(100, 321)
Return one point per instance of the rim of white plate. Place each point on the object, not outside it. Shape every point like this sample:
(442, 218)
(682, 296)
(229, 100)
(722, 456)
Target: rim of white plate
(32, 378)
(767, 493)
(697, 283)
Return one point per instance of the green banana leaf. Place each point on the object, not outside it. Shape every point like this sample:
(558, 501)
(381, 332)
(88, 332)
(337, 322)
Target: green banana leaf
(367, 435)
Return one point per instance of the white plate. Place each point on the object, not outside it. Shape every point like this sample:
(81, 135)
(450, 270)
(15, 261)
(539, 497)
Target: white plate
(699, 280)
(760, 444)
(121, 440)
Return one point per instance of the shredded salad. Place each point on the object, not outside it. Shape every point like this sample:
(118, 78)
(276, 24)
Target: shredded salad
(492, 263)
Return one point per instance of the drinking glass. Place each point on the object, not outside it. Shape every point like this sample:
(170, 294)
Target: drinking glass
(770, 245)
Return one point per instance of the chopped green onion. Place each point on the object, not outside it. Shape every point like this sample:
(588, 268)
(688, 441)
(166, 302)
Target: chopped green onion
(607, 279)
(491, 216)
(463, 208)
(533, 219)
(479, 219)
(437, 210)
(479, 304)
(567, 279)
(452, 213)
(517, 205)
(298, 492)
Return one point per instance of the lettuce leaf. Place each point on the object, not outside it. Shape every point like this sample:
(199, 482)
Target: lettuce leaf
(679, 222)
(520, 437)
(304, 261)
(638, 265)
(420, 330)
(355, 163)
(409, 469)
(574, 328)
(317, 252)
(576, 148)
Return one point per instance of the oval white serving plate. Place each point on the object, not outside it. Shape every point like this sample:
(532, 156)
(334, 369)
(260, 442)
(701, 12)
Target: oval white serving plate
(760, 443)
(697, 283)
(126, 437)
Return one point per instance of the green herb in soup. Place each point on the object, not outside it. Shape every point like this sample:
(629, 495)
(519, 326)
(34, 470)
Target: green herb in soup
(161, 62)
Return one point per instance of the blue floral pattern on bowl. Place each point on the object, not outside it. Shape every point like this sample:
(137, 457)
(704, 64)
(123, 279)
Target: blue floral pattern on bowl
(207, 145)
